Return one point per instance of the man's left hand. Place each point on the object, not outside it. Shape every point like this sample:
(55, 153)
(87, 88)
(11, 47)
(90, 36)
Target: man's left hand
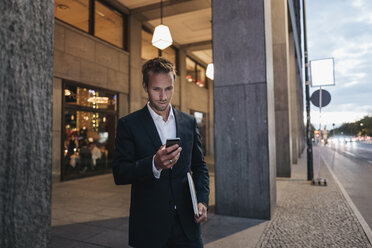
(202, 213)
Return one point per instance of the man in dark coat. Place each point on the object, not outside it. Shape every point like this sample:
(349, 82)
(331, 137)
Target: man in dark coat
(161, 212)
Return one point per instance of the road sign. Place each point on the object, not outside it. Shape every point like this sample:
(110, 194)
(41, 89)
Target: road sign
(325, 100)
(322, 72)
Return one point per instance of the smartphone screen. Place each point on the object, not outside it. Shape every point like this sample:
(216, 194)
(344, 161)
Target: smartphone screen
(171, 142)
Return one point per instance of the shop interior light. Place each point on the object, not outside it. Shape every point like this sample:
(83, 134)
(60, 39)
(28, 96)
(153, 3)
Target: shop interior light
(210, 71)
(162, 37)
(98, 99)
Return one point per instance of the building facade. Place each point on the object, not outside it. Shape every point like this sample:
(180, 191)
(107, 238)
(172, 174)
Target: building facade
(98, 79)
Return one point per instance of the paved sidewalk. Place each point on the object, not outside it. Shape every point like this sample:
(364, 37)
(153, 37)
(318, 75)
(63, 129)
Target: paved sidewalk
(93, 212)
(312, 216)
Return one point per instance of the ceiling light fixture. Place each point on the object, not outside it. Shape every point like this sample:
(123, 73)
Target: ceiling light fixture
(162, 37)
(210, 71)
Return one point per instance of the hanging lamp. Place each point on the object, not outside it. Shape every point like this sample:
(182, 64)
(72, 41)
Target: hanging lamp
(210, 71)
(162, 37)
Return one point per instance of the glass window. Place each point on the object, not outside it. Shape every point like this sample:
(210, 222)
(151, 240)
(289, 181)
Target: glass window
(74, 12)
(96, 99)
(190, 70)
(195, 73)
(200, 75)
(201, 122)
(148, 50)
(170, 54)
(108, 24)
(88, 144)
(89, 131)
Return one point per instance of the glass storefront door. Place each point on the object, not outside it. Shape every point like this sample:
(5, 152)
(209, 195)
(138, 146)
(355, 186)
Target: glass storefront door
(89, 119)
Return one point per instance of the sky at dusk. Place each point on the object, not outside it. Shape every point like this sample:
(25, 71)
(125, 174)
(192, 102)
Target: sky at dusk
(342, 29)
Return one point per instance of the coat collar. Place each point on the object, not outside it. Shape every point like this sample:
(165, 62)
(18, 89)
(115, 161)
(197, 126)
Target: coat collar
(151, 130)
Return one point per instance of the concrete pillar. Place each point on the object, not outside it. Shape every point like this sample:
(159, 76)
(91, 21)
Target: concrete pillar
(293, 96)
(244, 114)
(26, 85)
(135, 65)
(281, 88)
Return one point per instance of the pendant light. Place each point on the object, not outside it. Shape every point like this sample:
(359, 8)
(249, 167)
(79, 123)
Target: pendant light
(210, 71)
(161, 37)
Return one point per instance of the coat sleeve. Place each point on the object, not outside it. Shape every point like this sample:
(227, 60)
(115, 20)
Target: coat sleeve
(199, 169)
(125, 167)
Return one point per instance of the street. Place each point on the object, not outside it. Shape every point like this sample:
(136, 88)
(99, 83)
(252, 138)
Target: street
(352, 164)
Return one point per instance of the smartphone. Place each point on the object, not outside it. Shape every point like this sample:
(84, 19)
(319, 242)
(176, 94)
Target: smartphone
(171, 142)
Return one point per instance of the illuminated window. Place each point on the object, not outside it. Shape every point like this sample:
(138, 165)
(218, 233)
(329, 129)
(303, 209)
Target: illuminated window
(195, 73)
(89, 119)
(108, 24)
(74, 12)
(93, 17)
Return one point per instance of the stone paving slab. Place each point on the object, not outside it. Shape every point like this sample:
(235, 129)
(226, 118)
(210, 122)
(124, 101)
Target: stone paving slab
(312, 216)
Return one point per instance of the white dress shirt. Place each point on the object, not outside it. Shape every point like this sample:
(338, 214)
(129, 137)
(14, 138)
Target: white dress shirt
(166, 130)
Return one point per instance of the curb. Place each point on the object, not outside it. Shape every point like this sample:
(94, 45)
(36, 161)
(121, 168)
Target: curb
(363, 223)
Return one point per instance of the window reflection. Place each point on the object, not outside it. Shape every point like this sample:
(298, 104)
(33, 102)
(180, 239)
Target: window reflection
(108, 24)
(195, 73)
(190, 70)
(200, 75)
(74, 12)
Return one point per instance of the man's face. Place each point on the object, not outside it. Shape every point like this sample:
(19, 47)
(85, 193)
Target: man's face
(160, 90)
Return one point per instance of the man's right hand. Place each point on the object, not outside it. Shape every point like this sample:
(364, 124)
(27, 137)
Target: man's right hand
(165, 158)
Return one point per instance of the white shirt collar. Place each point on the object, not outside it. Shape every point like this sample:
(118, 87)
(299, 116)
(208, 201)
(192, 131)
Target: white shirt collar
(156, 116)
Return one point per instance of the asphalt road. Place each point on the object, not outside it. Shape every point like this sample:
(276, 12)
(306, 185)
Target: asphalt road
(352, 165)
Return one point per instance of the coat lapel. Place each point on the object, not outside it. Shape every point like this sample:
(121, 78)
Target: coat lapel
(179, 133)
(150, 128)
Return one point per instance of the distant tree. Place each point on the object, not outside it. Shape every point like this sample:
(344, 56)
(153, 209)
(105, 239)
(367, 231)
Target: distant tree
(357, 128)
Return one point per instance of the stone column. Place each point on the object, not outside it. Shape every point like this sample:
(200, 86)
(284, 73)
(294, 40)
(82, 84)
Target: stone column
(281, 88)
(135, 65)
(26, 85)
(293, 100)
(245, 168)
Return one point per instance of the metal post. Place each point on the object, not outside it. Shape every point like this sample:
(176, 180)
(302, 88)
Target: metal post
(310, 170)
